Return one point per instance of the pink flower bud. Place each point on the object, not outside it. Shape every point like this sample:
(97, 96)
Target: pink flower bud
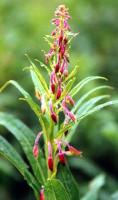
(35, 151)
(65, 72)
(59, 90)
(72, 116)
(70, 100)
(35, 147)
(42, 197)
(56, 21)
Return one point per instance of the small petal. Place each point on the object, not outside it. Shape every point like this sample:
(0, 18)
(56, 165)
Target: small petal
(74, 151)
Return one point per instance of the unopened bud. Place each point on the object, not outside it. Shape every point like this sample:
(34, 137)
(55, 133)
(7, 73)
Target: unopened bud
(50, 163)
(72, 116)
(62, 158)
(42, 197)
(57, 67)
(54, 117)
(59, 90)
(35, 151)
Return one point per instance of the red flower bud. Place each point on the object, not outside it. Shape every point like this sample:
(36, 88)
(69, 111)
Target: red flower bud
(50, 163)
(53, 88)
(59, 90)
(50, 158)
(62, 158)
(35, 151)
(42, 197)
(54, 117)
(57, 67)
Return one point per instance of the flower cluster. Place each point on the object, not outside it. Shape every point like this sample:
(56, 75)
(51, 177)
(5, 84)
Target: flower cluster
(58, 101)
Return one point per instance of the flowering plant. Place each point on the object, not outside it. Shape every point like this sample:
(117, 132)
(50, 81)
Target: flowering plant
(58, 115)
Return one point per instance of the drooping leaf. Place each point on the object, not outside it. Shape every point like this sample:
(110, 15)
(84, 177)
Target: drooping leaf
(26, 95)
(94, 188)
(8, 152)
(54, 190)
(65, 176)
(82, 83)
(26, 138)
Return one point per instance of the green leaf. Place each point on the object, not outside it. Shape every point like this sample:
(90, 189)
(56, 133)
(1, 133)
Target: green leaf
(94, 186)
(65, 176)
(40, 78)
(97, 108)
(54, 190)
(28, 98)
(81, 84)
(85, 107)
(8, 152)
(85, 96)
(82, 110)
(72, 74)
(26, 138)
(114, 196)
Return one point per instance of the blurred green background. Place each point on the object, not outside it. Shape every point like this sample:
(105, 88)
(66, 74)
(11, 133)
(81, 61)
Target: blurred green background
(23, 24)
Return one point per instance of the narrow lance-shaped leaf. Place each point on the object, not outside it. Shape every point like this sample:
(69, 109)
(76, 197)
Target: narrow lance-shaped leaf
(82, 110)
(28, 98)
(40, 77)
(54, 190)
(97, 108)
(8, 152)
(85, 96)
(65, 176)
(95, 186)
(26, 138)
(80, 85)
